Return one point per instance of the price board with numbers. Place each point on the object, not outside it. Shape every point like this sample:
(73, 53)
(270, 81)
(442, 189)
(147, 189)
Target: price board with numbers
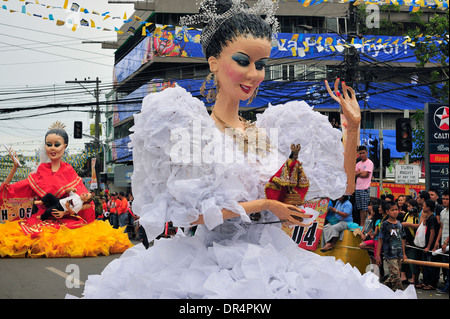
(436, 146)
(308, 238)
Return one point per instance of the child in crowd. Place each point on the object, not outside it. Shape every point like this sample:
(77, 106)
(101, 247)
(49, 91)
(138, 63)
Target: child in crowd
(369, 235)
(402, 206)
(392, 241)
(369, 224)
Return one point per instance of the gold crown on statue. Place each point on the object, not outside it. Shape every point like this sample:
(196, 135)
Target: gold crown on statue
(295, 149)
(57, 125)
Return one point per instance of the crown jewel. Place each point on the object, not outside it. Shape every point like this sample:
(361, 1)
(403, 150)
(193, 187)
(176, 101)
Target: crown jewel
(208, 15)
(57, 125)
(295, 149)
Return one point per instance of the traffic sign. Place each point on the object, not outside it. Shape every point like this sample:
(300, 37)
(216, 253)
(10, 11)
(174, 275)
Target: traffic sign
(407, 174)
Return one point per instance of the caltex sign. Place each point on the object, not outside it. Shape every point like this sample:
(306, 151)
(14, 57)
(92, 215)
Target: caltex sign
(436, 146)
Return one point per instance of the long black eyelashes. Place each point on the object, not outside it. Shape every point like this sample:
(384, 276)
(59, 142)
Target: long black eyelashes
(243, 60)
(50, 144)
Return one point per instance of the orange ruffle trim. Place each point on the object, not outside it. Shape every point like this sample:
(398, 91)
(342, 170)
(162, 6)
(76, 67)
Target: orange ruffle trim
(94, 239)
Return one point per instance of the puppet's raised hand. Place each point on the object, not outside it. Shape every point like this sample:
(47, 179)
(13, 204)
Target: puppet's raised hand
(352, 113)
(349, 104)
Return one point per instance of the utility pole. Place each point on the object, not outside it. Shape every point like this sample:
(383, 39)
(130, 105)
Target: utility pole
(351, 55)
(352, 19)
(96, 95)
(351, 59)
(380, 134)
(406, 116)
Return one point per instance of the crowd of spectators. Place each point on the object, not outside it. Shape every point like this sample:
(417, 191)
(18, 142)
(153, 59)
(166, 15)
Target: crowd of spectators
(389, 233)
(116, 208)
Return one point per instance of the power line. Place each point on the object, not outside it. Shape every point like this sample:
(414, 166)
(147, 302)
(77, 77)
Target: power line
(293, 61)
(55, 54)
(69, 107)
(64, 91)
(54, 45)
(51, 33)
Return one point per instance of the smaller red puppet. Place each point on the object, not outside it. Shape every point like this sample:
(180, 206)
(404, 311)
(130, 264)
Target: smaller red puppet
(290, 184)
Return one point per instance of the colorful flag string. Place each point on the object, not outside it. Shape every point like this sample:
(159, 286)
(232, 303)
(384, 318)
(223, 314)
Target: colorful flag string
(74, 16)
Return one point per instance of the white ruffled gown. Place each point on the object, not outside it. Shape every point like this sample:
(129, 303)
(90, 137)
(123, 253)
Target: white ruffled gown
(181, 170)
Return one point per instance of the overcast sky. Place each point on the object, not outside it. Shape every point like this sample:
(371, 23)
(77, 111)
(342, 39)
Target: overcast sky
(37, 57)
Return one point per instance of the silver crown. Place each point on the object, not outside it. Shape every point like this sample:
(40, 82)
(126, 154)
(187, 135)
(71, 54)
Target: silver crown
(214, 20)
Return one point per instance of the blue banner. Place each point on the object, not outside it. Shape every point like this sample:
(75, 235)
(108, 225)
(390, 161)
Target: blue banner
(324, 46)
(120, 151)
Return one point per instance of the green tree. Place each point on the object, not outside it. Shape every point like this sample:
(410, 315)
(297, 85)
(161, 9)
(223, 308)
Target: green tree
(432, 47)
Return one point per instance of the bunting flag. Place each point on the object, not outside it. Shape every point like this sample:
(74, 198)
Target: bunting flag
(30, 8)
(69, 13)
(168, 34)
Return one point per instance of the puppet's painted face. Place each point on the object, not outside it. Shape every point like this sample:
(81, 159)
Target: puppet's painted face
(54, 146)
(240, 68)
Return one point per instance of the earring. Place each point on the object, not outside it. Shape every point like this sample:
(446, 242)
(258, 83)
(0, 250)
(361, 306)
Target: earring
(250, 100)
(211, 95)
(203, 87)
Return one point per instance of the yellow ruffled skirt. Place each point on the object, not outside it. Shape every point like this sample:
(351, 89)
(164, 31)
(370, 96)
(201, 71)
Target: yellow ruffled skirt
(94, 239)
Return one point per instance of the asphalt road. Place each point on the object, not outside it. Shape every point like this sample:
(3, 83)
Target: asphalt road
(54, 278)
(47, 278)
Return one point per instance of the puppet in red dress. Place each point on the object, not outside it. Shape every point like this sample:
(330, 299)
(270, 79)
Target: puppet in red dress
(55, 177)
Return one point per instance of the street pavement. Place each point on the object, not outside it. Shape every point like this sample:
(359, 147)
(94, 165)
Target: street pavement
(47, 278)
(427, 294)
(54, 278)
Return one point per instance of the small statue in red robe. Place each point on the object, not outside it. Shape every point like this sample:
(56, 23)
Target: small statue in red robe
(289, 184)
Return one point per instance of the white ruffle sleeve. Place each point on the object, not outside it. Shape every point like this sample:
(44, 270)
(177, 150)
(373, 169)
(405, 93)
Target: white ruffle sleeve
(322, 151)
(171, 181)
